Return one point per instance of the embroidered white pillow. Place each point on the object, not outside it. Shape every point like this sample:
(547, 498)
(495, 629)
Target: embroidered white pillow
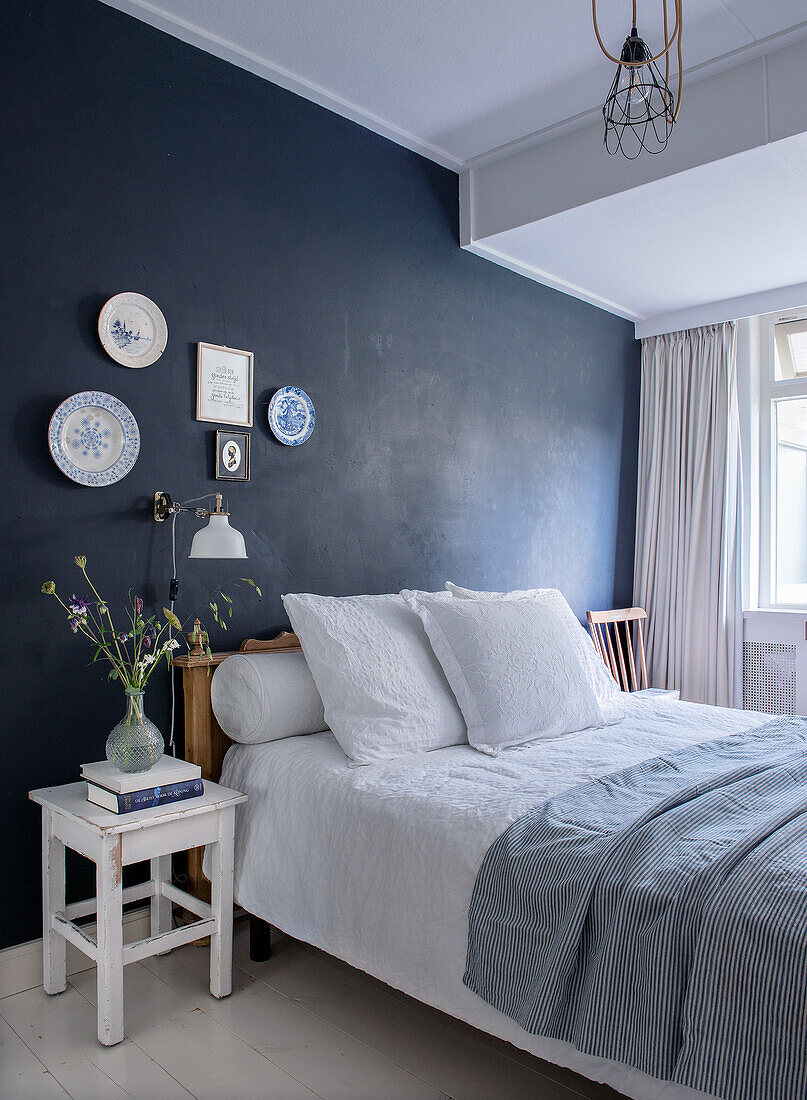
(384, 691)
(602, 683)
(512, 667)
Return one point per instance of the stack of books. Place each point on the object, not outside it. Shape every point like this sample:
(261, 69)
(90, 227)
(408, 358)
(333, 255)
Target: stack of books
(169, 780)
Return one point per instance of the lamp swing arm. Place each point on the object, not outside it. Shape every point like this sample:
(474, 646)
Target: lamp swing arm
(675, 37)
(164, 506)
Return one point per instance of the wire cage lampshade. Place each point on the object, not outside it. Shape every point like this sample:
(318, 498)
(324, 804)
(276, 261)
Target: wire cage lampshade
(640, 110)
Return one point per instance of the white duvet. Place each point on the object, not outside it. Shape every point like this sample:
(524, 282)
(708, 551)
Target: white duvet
(376, 865)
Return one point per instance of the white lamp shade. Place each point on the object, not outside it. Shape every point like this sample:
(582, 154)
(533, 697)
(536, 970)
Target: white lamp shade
(218, 540)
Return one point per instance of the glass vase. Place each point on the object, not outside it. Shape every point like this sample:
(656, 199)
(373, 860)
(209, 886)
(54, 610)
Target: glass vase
(135, 744)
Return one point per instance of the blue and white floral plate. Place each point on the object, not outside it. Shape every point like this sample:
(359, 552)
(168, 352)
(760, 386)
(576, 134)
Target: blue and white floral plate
(291, 416)
(132, 330)
(93, 438)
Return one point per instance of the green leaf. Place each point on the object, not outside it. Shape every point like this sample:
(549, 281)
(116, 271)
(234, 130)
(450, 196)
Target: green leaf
(231, 612)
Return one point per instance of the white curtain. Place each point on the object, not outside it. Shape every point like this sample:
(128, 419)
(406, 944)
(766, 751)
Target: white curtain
(688, 574)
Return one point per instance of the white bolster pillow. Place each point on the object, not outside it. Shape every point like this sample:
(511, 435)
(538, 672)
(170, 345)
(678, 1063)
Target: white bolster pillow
(261, 697)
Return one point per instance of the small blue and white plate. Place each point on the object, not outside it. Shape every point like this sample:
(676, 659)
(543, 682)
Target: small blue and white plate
(291, 416)
(132, 330)
(94, 439)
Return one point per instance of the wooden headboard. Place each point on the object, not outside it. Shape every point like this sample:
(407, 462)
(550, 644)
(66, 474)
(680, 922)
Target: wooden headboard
(205, 741)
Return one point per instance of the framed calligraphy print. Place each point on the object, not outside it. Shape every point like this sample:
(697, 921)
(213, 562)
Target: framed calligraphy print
(224, 385)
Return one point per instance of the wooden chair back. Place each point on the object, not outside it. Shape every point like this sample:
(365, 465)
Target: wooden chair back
(617, 636)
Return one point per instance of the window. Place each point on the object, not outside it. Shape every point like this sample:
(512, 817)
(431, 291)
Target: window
(783, 453)
(790, 357)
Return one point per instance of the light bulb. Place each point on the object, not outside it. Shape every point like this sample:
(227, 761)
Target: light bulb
(635, 81)
(631, 88)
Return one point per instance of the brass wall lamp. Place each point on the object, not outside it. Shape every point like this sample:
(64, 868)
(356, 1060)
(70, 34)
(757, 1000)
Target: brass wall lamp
(216, 540)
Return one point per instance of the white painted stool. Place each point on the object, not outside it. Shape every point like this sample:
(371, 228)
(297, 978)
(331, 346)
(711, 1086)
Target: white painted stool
(113, 841)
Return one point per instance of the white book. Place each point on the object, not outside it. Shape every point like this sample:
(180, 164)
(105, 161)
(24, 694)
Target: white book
(167, 770)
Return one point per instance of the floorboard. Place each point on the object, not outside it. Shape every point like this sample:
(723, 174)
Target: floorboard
(303, 1025)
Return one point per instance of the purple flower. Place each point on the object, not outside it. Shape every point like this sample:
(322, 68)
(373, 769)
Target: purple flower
(138, 605)
(73, 624)
(122, 636)
(78, 605)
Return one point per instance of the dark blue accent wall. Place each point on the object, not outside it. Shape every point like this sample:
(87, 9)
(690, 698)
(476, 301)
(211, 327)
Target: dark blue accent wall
(471, 424)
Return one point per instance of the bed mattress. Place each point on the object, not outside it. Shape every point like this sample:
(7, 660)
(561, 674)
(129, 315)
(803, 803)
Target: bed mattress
(376, 865)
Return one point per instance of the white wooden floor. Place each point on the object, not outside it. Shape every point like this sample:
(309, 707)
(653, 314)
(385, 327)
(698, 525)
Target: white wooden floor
(300, 1026)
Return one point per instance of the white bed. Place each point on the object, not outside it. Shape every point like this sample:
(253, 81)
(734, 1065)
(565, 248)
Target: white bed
(376, 865)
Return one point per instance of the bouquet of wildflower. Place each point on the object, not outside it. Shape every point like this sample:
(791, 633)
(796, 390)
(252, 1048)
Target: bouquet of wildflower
(135, 652)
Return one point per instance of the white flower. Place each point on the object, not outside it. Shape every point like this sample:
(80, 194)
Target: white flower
(145, 662)
(173, 644)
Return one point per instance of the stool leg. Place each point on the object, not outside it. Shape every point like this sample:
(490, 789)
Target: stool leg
(161, 908)
(109, 897)
(54, 946)
(221, 881)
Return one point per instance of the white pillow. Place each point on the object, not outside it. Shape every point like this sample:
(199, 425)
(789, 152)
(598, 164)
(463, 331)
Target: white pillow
(512, 667)
(385, 694)
(259, 697)
(600, 680)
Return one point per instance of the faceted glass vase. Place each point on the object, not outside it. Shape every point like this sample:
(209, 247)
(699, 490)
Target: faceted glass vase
(135, 744)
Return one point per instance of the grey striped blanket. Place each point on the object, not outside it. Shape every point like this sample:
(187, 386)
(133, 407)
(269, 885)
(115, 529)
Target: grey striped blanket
(658, 917)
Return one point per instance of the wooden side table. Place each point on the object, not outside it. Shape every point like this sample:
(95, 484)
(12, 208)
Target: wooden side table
(113, 841)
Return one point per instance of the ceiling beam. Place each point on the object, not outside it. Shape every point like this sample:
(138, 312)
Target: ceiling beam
(731, 112)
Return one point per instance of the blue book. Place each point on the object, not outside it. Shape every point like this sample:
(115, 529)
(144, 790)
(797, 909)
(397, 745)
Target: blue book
(143, 800)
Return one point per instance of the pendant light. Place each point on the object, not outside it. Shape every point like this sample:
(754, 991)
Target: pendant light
(640, 110)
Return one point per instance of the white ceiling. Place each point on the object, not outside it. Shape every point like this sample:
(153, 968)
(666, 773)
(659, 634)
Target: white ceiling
(480, 86)
(456, 79)
(757, 216)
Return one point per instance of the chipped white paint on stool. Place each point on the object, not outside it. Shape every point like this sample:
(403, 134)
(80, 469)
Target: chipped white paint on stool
(160, 904)
(54, 946)
(113, 841)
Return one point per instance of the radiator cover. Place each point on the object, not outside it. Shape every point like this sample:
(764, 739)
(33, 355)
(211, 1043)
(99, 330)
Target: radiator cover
(769, 677)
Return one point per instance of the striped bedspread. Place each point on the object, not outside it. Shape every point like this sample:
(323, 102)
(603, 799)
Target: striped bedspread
(658, 917)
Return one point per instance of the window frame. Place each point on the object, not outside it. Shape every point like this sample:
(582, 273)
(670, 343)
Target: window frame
(772, 390)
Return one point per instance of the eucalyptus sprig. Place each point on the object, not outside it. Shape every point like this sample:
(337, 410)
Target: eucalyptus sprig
(214, 607)
(136, 652)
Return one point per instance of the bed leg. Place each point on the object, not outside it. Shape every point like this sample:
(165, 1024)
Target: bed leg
(260, 947)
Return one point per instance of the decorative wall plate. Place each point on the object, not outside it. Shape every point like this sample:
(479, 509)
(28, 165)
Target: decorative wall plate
(93, 438)
(132, 330)
(291, 416)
